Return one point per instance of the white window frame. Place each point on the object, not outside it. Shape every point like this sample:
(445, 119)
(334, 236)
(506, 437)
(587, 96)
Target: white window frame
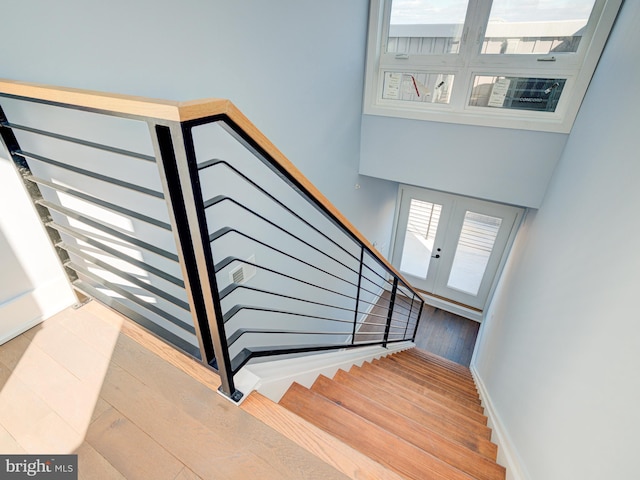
(577, 68)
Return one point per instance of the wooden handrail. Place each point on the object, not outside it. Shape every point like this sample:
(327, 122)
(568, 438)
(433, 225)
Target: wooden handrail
(181, 112)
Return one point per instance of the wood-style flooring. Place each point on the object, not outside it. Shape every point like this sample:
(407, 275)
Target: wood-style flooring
(89, 382)
(447, 335)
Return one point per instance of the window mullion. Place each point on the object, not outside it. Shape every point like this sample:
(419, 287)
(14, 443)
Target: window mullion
(475, 25)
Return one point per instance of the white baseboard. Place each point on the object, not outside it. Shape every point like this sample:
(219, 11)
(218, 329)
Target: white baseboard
(507, 454)
(19, 314)
(272, 379)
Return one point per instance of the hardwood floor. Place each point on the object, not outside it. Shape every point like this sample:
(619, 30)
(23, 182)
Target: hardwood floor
(440, 332)
(88, 382)
(446, 334)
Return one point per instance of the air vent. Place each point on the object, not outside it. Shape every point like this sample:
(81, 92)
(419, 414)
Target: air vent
(237, 275)
(243, 272)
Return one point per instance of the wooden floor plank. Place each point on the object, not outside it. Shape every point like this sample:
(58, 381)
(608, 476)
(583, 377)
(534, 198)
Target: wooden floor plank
(207, 450)
(447, 335)
(93, 466)
(186, 474)
(212, 411)
(130, 450)
(166, 395)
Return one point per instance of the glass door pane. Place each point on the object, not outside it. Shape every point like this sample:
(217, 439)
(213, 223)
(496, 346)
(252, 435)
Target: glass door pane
(426, 27)
(475, 244)
(419, 237)
(541, 28)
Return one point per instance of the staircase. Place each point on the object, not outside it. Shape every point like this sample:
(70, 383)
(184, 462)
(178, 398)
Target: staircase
(416, 414)
(410, 415)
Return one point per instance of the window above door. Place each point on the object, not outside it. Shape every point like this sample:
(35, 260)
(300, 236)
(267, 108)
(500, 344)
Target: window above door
(504, 63)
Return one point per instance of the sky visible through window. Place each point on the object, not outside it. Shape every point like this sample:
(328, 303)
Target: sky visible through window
(453, 11)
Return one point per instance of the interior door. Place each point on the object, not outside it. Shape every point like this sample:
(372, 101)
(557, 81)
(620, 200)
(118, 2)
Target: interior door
(452, 246)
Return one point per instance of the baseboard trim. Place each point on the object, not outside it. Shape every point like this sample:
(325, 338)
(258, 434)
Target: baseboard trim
(19, 314)
(507, 454)
(272, 379)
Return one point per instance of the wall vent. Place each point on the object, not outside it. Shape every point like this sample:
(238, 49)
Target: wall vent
(243, 272)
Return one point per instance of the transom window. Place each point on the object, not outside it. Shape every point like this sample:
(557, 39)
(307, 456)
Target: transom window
(509, 63)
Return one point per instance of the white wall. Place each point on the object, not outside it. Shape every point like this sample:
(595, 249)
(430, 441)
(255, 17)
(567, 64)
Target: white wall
(294, 68)
(560, 351)
(32, 283)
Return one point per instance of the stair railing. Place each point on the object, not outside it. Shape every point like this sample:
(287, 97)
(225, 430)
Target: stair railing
(184, 217)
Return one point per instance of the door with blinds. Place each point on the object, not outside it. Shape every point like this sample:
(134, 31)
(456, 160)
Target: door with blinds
(452, 246)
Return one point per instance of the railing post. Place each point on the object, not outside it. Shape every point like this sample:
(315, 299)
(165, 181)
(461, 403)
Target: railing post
(392, 304)
(406, 327)
(355, 314)
(415, 329)
(178, 169)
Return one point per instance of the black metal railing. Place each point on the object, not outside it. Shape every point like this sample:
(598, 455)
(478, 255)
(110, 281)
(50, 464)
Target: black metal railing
(199, 231)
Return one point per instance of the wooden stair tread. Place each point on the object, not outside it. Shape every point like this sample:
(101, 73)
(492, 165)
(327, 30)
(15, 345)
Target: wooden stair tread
(394, 422)
(444, 362)
(382, 446)
(425, 364)
(428, 380)
(429, 371)
(415, 391)
(432, 415)
(399, 376)
(336, 453)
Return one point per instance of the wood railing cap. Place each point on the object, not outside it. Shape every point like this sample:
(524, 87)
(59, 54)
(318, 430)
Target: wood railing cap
(116, 103)
(153, 108)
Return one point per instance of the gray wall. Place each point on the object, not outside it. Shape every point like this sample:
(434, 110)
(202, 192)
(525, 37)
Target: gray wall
(560, 349)
(503, 165)
(294, 68)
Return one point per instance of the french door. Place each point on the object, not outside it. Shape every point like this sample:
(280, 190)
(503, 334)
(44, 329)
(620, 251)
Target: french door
(452, 246)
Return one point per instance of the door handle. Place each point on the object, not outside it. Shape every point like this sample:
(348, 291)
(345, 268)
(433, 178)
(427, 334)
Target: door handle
(435, 256)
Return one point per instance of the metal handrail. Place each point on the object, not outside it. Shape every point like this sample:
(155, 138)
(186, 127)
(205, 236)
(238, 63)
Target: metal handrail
(369, 279)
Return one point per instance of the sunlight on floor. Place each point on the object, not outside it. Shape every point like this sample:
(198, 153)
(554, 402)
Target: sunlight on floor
(50, 380)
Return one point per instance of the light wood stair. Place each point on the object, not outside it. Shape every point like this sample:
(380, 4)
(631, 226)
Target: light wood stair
(412, 413)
